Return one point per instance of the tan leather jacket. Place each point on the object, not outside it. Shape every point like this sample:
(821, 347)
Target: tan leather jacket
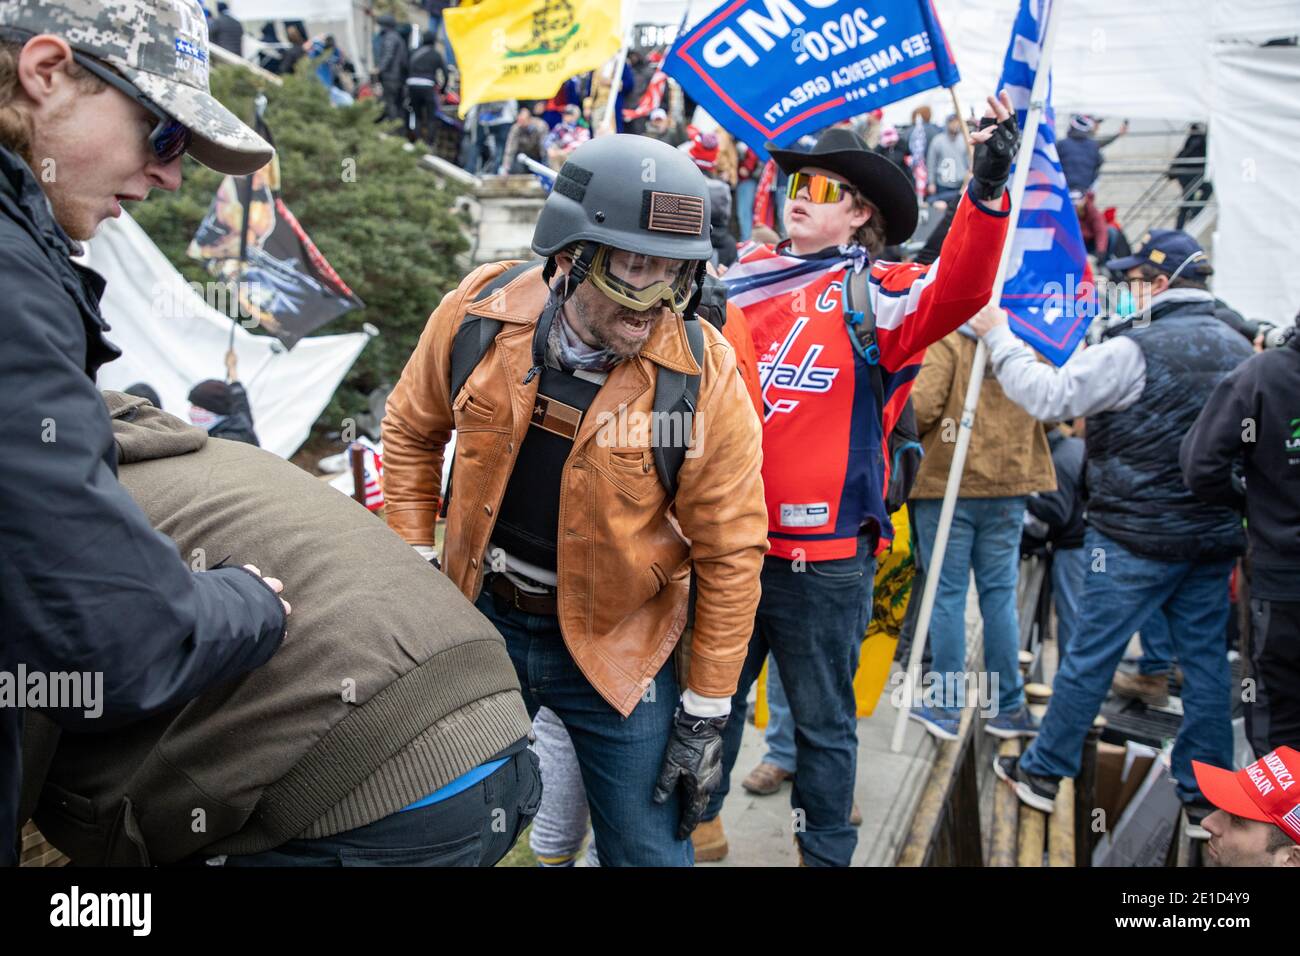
(623, 561)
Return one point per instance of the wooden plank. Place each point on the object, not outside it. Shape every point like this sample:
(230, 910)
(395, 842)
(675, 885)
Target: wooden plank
(1060, 828)
(1006, 815)
(1032, 837)
(928, 819)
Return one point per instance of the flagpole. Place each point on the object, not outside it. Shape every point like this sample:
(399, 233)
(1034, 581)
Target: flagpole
(259, 109)
(1033, 115)
(965, 130)
(608, 124)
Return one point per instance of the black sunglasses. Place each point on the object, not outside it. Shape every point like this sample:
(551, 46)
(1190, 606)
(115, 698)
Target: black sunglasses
(170, 138)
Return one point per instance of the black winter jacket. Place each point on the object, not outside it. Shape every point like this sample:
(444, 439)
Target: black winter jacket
(86, 585)
(238, 425)
(1252, 422)
(1062, 510)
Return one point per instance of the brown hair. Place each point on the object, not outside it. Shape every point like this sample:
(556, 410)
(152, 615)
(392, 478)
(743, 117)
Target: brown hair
(871, 234)
(15, 123)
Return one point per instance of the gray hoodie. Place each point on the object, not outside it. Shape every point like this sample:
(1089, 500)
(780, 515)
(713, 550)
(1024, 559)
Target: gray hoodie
(389, 684)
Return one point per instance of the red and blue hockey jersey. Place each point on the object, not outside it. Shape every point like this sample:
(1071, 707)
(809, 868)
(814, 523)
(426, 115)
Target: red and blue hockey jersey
(824, 458)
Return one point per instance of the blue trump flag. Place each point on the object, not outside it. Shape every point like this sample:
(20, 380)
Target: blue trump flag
(779, 69)
(1049, 294)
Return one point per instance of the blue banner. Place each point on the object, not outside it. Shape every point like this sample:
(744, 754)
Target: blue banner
(779, 69)
(1049, 293)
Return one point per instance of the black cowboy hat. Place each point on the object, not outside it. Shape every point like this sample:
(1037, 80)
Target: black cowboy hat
(881, 182)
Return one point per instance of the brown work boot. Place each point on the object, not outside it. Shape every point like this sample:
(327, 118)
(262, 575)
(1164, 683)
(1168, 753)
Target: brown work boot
(855, 815)
(709, 840)
(765, 779)
(1151, 689)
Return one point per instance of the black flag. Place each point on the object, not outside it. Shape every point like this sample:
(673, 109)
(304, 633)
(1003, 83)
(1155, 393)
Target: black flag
(249, 237)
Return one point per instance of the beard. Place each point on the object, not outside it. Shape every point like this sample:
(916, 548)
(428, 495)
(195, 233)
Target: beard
(606, 327)
(73, 217)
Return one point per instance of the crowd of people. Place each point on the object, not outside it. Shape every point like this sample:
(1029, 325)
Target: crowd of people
(710, 462)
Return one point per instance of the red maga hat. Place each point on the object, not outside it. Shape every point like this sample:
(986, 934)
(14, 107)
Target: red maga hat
(1267, 790)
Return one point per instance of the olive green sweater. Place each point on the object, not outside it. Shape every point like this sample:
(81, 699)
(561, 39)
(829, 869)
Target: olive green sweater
(388, 685)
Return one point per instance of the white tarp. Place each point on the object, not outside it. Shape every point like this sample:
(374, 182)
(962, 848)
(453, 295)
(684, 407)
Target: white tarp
(1253, 148)
(346, 19)
(171, 339)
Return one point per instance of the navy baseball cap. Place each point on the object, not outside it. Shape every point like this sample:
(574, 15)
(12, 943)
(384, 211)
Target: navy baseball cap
(1167, 250)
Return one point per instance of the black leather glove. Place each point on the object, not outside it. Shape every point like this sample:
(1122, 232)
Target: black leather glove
(993, 158)
(693, 759)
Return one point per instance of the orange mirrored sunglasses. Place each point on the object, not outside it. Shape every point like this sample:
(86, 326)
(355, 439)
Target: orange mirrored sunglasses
(821, 189)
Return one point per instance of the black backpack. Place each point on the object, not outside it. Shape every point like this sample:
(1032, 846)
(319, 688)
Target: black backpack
(676, 393)
(904, 441)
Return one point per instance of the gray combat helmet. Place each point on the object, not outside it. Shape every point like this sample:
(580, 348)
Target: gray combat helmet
(628, 192)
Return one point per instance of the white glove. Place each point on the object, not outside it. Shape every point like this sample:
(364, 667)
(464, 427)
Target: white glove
(428, 553)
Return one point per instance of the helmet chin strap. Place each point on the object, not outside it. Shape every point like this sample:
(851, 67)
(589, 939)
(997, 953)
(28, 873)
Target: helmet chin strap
(560, 293)
(701, 270)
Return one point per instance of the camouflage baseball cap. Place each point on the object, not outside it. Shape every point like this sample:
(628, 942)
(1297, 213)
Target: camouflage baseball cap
(161, 47)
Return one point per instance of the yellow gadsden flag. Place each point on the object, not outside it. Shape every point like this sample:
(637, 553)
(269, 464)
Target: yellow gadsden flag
(524, 49)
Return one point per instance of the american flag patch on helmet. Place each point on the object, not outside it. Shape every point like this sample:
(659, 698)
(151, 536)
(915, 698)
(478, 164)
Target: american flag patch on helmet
(672, 212)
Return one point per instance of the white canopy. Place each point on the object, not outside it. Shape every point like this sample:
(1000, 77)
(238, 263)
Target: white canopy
(1254, 146)
(171, 339)
(346, 19)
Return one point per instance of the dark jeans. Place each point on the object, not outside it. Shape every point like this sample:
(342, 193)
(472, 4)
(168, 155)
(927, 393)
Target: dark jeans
(1193, 202)
(424, 106)
(1121, 593)
(1273, 717)
(476, 827)
(620, 757)
(812, 618)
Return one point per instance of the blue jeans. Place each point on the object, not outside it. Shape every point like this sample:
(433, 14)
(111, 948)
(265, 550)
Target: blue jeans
(1119, 596)
(1069, 569)
(811, 617)
(462, 830)
(1069, 572)
(779, 735)
(620, 758)
(1157, 646)
(746, 190)
(985, 537)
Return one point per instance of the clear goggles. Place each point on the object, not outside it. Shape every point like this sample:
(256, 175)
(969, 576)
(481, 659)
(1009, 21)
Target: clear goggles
(821, 189)
(642, 282)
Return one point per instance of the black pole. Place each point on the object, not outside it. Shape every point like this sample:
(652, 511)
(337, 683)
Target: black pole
(259, 107)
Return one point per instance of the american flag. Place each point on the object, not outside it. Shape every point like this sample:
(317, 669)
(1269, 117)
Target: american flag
(1291, 821)
(651, 100)
(673, 212)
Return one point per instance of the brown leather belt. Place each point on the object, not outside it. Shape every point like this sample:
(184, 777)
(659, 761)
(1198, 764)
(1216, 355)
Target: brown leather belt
(520, 600)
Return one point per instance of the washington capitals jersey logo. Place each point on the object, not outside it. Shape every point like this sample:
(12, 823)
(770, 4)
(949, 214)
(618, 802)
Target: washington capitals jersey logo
(801, 376)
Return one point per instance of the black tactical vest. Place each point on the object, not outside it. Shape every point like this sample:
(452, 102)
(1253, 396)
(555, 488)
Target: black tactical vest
(529, 517)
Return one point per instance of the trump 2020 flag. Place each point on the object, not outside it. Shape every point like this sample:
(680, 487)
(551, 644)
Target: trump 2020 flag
(779, 69)
(1049, 294)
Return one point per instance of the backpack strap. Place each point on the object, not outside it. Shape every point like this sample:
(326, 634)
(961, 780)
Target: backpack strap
(860, 321)
(676, 397)
(477, 331)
